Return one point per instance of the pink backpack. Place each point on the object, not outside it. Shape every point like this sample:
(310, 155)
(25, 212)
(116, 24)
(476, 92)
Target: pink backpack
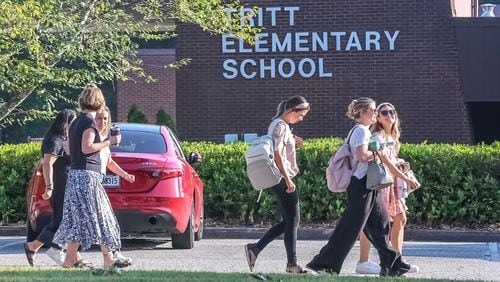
(339, 170)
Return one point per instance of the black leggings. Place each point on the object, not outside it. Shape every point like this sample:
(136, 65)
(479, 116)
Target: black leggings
(57, 201)
(289, 207)
(365, 211)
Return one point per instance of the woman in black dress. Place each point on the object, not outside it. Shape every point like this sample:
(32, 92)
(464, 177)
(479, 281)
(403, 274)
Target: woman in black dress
(55, 164)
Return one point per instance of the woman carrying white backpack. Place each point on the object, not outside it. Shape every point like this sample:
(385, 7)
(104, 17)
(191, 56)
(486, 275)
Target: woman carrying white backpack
(290, 111)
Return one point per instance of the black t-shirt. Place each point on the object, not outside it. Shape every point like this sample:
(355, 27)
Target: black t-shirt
(55, 146)
(79, 160)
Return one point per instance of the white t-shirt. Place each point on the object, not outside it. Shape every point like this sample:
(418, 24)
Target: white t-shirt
(389, 145)
(104, 154)
(284, 143)
(360, 136)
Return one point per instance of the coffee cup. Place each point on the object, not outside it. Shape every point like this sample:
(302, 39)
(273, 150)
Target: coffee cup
(115, 130)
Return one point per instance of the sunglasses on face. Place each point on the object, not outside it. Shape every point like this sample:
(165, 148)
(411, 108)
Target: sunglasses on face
(388, 112)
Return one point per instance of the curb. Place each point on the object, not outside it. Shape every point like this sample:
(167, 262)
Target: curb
(422, 235)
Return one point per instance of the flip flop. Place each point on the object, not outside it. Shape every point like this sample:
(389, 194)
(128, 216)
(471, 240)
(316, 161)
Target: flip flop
(251, 257)
(106, 272)
(29, 253)
(81, 263)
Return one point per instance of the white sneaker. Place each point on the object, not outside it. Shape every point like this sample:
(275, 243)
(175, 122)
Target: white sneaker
(56, 255)
(413, 268)
(367, 267)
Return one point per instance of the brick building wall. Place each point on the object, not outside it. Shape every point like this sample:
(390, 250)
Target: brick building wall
(150, 97)
(420, 75)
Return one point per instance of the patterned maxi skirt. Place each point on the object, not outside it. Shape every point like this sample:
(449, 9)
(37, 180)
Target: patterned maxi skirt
(88, 218)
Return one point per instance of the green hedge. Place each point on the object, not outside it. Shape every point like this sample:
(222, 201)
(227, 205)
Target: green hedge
(460, 183)
(16, 165)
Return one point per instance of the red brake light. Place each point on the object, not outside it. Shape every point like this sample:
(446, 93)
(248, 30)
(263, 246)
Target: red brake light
(165, 173)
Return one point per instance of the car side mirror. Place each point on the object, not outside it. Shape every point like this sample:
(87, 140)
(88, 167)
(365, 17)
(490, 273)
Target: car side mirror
(194, 158)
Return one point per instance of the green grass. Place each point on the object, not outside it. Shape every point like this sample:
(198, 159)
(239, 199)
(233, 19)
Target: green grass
(54, 275)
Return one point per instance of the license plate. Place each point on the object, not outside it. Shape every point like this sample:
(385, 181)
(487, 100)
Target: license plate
(111, 181)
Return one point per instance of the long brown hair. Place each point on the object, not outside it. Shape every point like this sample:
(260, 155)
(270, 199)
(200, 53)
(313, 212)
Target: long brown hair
(395, 131)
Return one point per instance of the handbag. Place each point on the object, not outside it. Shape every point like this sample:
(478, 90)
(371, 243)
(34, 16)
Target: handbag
(405, 167)
(378, 175)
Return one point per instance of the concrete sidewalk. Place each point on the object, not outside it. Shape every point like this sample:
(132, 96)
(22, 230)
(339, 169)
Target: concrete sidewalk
(420, 235)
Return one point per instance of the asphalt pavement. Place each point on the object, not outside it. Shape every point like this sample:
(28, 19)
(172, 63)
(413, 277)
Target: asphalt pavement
(436, 260)
(242, 232)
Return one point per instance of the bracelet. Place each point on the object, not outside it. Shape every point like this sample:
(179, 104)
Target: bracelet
(49, 187)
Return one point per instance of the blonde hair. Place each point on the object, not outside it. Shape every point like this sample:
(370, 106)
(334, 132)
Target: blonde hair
(101, 111)
(91, 98)
(395, 131)
(356, 106)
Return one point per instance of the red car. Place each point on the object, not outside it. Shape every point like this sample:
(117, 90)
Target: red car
(166, 198)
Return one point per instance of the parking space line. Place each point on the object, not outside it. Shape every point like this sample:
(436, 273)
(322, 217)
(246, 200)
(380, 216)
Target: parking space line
(10, 244)
(493, 248)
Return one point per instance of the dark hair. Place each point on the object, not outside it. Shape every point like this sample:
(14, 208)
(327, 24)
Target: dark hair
(60, 125)
(291, 104)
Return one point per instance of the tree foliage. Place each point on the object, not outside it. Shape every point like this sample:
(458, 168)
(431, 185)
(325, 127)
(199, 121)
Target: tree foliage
(49, 47)
(163, 118)
(136, 115)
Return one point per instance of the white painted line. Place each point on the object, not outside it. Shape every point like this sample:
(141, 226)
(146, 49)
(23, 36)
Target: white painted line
(493, 248)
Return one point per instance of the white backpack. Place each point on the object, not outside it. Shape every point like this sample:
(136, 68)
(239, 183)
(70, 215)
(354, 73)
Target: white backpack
(261, 167)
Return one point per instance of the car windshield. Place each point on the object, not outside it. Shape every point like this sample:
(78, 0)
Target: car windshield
(141, 142)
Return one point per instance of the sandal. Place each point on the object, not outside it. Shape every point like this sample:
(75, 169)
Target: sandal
(30, 255)
(106, 272)
(251, 256)
(295, 268)
(81, 263)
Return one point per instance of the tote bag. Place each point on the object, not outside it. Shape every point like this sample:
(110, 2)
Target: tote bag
(378, 175)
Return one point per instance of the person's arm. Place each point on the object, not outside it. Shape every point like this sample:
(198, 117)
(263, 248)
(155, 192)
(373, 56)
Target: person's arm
(284, 172)
(88, 145)
(279, 133)
(362, 154)
(114, 167)
(48, 172)
(413, 183)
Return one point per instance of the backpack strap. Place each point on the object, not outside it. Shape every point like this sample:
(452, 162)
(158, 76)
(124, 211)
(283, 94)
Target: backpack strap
(348, 139)
(349, 146)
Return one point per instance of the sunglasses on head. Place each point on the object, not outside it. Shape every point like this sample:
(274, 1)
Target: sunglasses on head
(388, 112)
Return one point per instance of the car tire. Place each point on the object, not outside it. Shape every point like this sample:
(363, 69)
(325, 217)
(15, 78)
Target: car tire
(199, 234)
(185, 240)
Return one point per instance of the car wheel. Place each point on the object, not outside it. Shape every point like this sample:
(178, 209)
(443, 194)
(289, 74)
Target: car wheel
(185, 240)
(30, 233)
(199, 234)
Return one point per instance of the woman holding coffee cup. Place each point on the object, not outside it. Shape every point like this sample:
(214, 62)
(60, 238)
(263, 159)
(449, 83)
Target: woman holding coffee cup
(386, 132)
